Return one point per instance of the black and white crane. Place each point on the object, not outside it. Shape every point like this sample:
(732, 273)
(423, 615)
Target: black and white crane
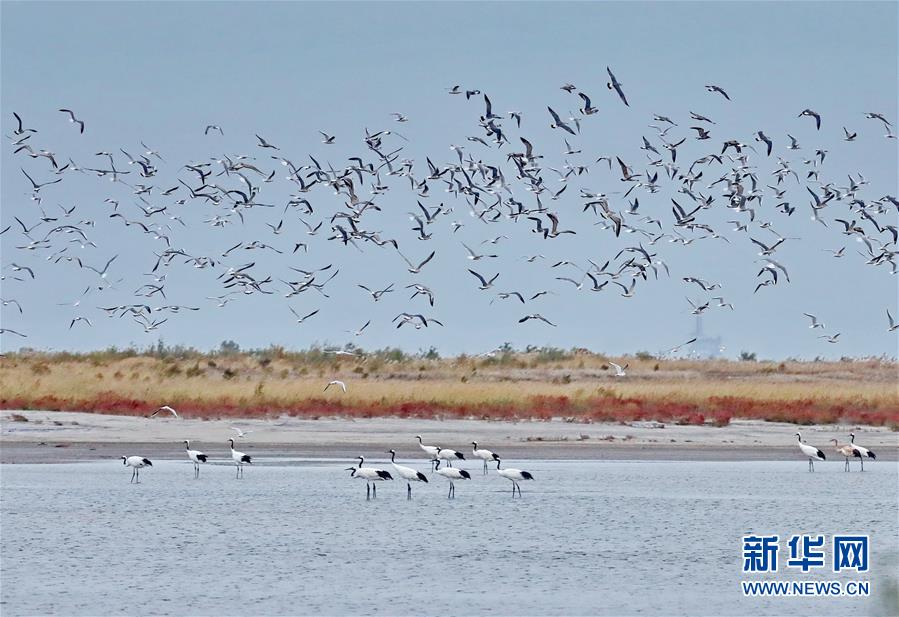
(445, 454)
(451, 474)
(196, 456)
(370, 475)
(514, 475)
(484, 455)
(863, 452)
(407, 473)
(136, 463)
(813, 453)
(239, 459)
(431, 451)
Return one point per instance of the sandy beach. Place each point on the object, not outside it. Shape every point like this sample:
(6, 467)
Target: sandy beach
(49, 436)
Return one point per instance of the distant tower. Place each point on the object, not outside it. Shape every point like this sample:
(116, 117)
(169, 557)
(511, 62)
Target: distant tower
(705, 346)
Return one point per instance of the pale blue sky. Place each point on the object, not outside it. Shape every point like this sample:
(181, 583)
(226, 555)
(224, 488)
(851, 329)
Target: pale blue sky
(160, 72)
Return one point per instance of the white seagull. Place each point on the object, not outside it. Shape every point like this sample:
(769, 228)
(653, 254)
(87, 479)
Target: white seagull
(335, 382)
(166, 409)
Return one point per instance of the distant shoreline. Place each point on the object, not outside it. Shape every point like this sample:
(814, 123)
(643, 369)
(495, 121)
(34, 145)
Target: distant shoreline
(54, 437)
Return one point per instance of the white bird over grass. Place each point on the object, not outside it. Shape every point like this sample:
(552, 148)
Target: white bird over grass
(335, 382)
(166, 409)
(619, 370)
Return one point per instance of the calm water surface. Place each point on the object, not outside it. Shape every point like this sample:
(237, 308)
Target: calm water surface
(298, 537)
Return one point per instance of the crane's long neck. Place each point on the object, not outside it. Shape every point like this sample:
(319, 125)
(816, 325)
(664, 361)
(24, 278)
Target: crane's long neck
(420, 441)
(852, 439)
(187, 445)
(392, 457)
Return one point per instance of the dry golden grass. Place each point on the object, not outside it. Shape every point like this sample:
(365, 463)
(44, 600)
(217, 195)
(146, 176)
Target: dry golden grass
(514, 384)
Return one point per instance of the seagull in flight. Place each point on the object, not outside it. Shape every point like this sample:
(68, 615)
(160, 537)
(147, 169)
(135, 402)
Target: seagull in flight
(335, 382)
(485, 284)
(413, 269)
(893, 325)
(166, 409)
(613, 83)
(240, 433)
(558, 123)
(813, 114)
(536, 316)
(713, 88)
(815, 322)
(73, 119)
(619, 370)
(305, 317)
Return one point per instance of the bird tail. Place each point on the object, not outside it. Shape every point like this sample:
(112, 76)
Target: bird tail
(246, 458)
(527, 475)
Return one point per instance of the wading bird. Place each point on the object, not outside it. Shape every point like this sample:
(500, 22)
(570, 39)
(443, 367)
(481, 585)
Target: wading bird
(136, 463)
(370, 475)
(407, 473)
(484, 455)
(863, 452)
(451, 474)
(846, 451)
(515, 476)
(813, 454)
(196, 456)
(240, 459)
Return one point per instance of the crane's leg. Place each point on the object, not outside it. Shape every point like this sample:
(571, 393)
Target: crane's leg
(137, 472)
(862, 461)
(449, 494)
(374, 491)
(367, 491)
(846, 466)
(485, 467)
(133, 471)
(408, 490)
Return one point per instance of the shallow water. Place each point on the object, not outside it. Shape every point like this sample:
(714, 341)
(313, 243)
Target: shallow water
(299, 538)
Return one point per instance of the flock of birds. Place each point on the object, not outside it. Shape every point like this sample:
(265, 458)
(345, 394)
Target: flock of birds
(499, 184)
(447, 456)
(371, 475)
